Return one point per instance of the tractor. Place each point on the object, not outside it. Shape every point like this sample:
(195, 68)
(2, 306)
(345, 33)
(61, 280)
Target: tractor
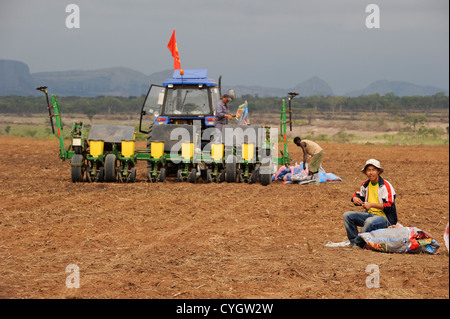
(181, 114)
(181, 135)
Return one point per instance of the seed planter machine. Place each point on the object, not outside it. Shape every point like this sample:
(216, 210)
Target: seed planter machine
(180, 145)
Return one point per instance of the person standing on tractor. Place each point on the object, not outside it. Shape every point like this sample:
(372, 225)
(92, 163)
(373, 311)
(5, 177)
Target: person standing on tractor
(377, 196)
(222, 115)
(313, 149)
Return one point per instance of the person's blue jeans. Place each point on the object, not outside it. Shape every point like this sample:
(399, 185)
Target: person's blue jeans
(367, 221)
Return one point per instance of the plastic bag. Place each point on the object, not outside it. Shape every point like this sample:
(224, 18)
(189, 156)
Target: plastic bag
(400, 240)
(446, 236)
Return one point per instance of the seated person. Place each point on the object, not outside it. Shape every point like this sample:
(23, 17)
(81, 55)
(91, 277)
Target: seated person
(377, 196)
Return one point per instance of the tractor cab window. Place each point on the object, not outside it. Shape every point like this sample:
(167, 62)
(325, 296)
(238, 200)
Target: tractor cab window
(187, 101)
(215, 96)
(154, 100)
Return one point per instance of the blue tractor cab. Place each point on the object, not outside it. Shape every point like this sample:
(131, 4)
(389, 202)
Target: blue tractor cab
(186, 97)
(187, 101)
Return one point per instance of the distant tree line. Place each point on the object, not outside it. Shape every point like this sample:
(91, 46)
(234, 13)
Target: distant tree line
(72, 104)
(337, 104)
(317, 103)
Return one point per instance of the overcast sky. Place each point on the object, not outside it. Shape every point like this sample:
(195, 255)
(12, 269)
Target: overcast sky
(276, 43)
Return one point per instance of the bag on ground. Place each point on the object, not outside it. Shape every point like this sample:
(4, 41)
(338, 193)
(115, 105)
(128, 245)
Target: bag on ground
(446, 236)
(400, 240)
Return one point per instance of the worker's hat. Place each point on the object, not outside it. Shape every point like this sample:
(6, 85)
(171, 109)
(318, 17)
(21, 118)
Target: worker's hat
(373, 162)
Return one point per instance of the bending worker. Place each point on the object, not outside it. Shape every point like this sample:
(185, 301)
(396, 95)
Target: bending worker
(222, 116)
(313, 149)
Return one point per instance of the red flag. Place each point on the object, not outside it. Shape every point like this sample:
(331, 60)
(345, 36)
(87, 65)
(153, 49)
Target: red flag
(172, 46)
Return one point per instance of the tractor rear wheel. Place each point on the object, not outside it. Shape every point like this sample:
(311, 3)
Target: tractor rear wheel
(88, 174)
(265, 179)
(230, 174)
(204, 174)
(77, 170)
(255, 175)
(110, 168)
(192, 177)
(221, 177)
(180, 175)
(162, 175)
(132, 177)
(241, 176)
(208, 175)
(265, 171)
(100, 175)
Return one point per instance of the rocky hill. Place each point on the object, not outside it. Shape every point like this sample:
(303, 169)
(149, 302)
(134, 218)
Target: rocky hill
(111, 82)
(312, 86)
(15, 78)
(399, 88)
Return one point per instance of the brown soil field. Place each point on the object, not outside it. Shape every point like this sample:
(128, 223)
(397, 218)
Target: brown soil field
(212, 241)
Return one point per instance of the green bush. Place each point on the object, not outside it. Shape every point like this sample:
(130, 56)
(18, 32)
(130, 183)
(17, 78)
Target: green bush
(343, 137)
(322, 138)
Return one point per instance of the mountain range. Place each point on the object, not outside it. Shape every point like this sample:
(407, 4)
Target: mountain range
(15, 78)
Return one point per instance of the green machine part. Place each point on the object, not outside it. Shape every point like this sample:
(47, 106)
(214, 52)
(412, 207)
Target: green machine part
(77, 133)
(59, 126)
(284, 159)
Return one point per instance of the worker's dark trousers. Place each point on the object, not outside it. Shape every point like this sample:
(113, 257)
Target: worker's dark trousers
(367, 221)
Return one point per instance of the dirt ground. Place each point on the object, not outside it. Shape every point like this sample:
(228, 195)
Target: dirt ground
(178, 240)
